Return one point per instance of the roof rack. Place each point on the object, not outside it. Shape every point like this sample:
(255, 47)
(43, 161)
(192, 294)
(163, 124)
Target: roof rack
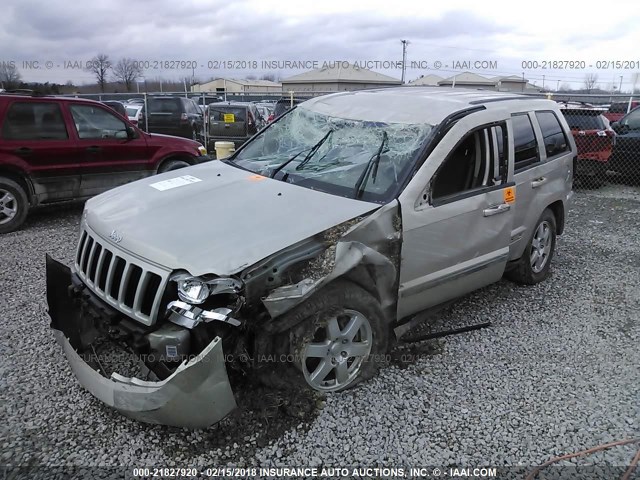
(23, 91)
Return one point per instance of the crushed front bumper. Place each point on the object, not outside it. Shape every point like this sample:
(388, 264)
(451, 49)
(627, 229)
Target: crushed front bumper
(196, 395)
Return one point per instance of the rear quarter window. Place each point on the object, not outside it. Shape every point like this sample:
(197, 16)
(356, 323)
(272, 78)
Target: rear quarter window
(555, 141)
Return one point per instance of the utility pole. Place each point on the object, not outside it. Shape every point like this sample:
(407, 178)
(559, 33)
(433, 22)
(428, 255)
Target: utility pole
(558, 85)
(404, 57)
(523, 81)
(542, 82)
(620, 87)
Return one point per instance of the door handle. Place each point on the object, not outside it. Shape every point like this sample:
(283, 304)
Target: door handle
(495, 210)
(93, 149)
(538, 182)
(24, 151)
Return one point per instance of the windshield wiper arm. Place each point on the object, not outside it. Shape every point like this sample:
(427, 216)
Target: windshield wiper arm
(285, 163)
(313, 150)
(371, 168)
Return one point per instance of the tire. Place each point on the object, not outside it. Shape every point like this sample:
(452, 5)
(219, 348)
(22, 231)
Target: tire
(339, 339)
(14, 205)
(529, 269)
(170, 165)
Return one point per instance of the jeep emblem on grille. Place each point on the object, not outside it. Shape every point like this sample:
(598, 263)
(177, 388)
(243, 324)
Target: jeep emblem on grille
(115, 236)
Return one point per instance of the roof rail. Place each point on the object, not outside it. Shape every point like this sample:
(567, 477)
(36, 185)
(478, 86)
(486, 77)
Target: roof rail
(23, 91)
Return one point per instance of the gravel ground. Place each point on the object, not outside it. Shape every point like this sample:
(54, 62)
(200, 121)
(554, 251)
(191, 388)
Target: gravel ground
(557, 372)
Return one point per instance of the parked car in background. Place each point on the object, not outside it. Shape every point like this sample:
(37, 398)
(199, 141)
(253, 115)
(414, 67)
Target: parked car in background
(265, 109)
(134, 114)
(617, 110)
(281, 106)
(594, 138)
(626, 151)
(117, 106)
(55, 149)
(232, 121)
(297, 260)
(177, 116)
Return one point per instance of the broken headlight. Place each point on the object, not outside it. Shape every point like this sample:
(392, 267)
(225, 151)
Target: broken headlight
(195, 290)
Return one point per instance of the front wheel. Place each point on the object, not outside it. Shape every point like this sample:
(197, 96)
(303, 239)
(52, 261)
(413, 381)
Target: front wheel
(14, 205)
(340, 340)
(535, 263)
(171, 165)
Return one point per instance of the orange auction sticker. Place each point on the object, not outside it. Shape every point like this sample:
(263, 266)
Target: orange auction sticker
(256, 178)
(509, 195)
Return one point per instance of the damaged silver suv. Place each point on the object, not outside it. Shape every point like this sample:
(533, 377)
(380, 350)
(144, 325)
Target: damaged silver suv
(296, 259)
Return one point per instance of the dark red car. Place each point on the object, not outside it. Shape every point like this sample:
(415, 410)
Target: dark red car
(594, 138)
(56, 149)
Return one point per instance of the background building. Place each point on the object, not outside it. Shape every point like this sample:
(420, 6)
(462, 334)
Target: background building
(232, 85)
(337, 79)
(426, 81)
(511, 83)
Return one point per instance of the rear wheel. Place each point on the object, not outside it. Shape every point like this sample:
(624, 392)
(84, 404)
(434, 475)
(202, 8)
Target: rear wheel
(535, 263)
(14, 205)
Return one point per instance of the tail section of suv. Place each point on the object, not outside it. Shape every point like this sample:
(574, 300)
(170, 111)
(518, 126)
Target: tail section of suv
(235, 122)
(177, 116)
(594, 138)
(56, 149)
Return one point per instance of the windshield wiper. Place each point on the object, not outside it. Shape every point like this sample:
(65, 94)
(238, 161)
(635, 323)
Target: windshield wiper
(313, 150)
(370, 169)
(285, 163)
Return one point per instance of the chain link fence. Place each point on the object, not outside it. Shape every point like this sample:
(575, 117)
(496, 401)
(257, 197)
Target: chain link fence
(606, 128)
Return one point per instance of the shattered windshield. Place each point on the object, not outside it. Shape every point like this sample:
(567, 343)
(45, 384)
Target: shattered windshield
(352, 158)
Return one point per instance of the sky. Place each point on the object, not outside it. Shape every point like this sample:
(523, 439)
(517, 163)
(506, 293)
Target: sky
(192, 38)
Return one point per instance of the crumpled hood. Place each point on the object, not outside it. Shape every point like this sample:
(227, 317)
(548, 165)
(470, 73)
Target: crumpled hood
(225, 220)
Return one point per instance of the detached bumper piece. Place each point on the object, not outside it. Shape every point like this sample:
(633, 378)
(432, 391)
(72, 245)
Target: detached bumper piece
(196, 395)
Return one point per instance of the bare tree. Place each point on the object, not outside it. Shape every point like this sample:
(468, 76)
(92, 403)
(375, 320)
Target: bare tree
(590, 81)
(268, 76)
(9, 75)
(250, 77)
(100, 66)
(126, 71)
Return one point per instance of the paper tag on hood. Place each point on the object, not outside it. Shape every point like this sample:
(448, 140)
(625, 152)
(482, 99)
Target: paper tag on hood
(175, 182)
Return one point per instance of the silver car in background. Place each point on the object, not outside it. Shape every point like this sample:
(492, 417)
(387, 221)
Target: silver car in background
(298, 258)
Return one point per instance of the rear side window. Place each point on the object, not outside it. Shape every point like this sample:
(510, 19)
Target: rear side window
(555, 141)
(34, 121)
(524, 140)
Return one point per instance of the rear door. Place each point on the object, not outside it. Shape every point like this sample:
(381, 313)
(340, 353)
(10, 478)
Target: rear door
(228, 121)
(35, 138)
(109, 157)
(541, 153)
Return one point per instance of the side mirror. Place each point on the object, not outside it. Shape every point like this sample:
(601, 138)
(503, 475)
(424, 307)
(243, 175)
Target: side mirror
(131, 133)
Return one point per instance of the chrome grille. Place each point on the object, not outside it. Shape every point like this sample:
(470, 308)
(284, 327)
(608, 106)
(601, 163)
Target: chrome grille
(121, 280)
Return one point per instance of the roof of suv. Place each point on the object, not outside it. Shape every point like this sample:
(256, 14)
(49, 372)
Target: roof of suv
(429, 105)
(40, 98)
